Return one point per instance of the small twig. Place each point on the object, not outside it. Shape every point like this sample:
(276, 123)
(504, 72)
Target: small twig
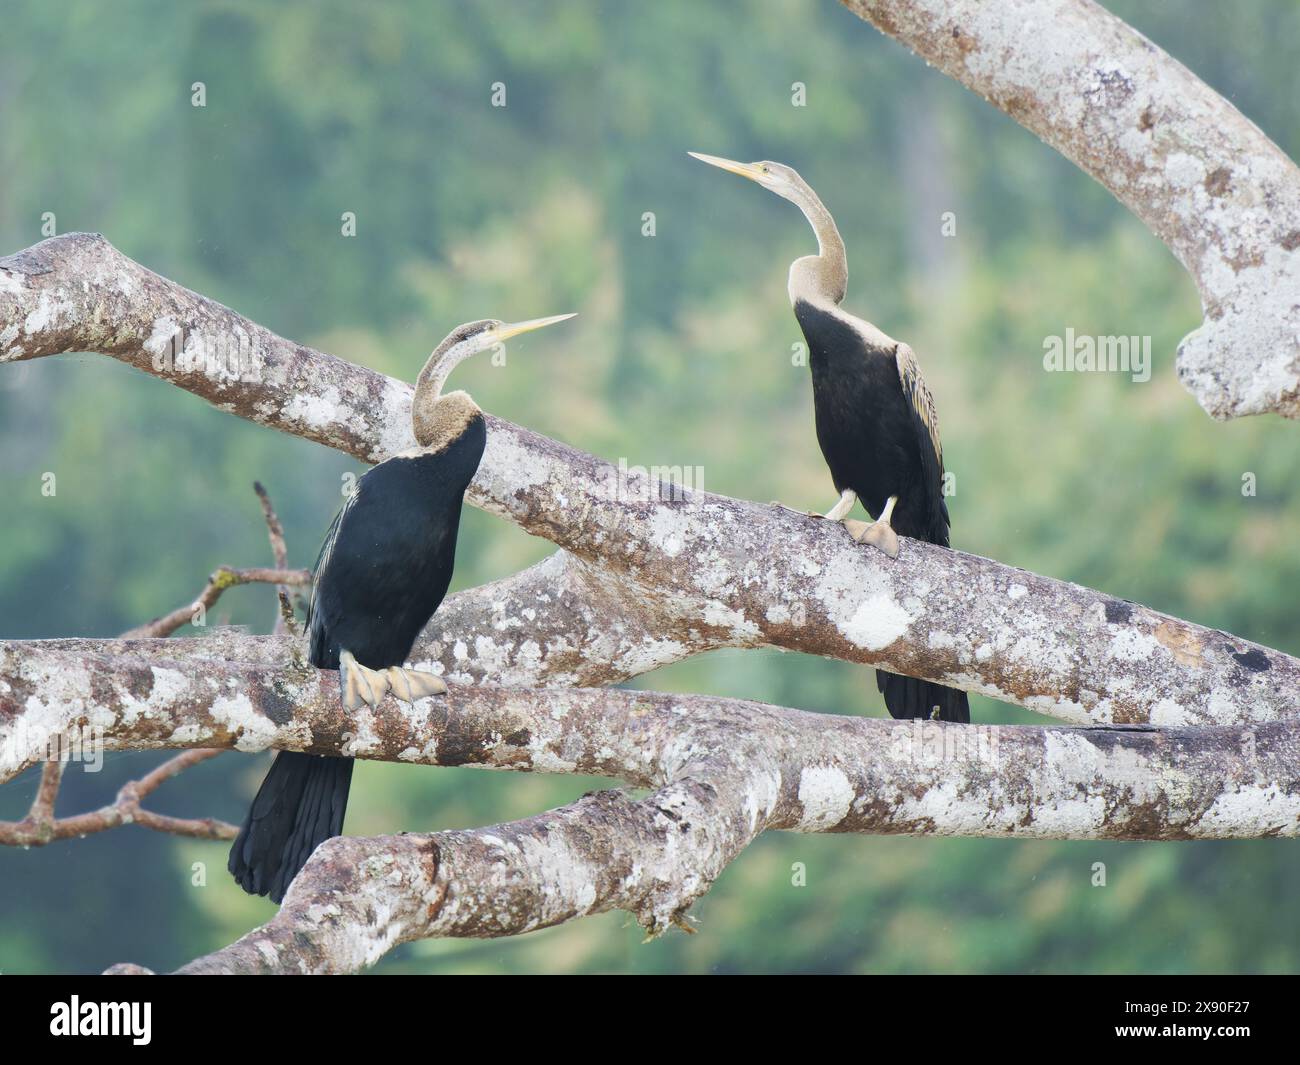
(222, 578)
(275, 532)
(287, 620)
(43, 805)
(40, 826)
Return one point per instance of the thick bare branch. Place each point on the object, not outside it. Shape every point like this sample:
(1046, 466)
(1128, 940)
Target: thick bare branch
(640, 737)
(688, 572)
(723, 771)
(1198, 173)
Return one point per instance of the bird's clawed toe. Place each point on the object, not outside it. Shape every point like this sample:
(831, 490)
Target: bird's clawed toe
(411, 684)
(879, 534)
(360, 684)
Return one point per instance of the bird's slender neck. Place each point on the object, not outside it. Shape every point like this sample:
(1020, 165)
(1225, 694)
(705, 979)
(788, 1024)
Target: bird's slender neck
(823, 277)
(437, 418)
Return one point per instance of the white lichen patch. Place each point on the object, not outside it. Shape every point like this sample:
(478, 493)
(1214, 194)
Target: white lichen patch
(722, 616)
(670, 529)
(1184, 171)
(185, 735)
(876, 623)
(1064, 709)
(826, 796)
(1130, 645)
(493, 658)
(364, 739)
(509, 466)
(860, 603)
(253, 731)
(1169, 712)
(564, 872)
(761, 797)
(546, 760)
(1039, 650)
(46, 313)
(313, 411)
(161, 336)
(647, 654)
(1249, 810)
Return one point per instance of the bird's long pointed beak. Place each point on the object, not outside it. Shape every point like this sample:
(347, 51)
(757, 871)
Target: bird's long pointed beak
(513, 329)
(747, 170)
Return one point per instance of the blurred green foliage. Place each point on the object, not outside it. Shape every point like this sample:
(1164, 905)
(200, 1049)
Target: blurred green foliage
(681, 357)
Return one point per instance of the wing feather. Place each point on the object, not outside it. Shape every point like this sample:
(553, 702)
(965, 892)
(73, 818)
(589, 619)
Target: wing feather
(918, 396)
(327, 549)
(926, 422)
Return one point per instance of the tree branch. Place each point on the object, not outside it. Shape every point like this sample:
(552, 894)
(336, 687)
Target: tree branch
(724, 771)
(644, 577)
(40, 826)
(223, 577)
(1198, 173)
(686, 570)
(284, 619)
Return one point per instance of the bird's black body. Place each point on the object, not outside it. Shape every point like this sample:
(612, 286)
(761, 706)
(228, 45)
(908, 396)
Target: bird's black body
(876, 443)
(383, 570)
(873, 440)
(388, 558)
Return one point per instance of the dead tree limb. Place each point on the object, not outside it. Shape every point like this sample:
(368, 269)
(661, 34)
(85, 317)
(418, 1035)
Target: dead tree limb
(723, 772)
(40, 826)
(647, 575)
(1198, 173)
(223, 577)
(688, 570)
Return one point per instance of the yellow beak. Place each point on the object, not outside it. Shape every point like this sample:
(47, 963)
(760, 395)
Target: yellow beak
(746, 170)
(513, 329)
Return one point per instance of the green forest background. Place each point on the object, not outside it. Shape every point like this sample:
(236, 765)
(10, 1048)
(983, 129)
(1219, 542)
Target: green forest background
(681, 356)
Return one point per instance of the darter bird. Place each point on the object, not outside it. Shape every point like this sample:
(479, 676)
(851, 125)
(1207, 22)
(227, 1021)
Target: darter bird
(875, 418)
(382, 572)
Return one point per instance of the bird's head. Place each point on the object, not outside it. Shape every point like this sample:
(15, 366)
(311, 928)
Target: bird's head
(473, 337)
(458, 345)
(779, 178)
(824, 275)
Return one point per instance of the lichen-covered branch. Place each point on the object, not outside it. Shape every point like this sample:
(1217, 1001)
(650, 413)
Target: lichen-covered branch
(649, 574)
(1194, 169)
(647, 738)
(722, 771)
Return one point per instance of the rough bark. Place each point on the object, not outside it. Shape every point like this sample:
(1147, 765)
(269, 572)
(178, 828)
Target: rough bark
(1198, 173)
(724, 771)
(646, 576)
(652, 573)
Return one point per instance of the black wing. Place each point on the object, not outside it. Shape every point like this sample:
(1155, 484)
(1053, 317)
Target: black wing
(925, 423)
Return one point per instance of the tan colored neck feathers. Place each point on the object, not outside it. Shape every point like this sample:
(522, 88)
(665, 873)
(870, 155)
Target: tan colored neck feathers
(438, 420)
(823, 277)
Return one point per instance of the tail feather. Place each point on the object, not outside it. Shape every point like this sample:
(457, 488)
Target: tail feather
(300, 804)
(908, 697)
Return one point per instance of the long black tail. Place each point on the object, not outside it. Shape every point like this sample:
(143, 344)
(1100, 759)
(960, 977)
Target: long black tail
(908, 697)
(300, 804)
